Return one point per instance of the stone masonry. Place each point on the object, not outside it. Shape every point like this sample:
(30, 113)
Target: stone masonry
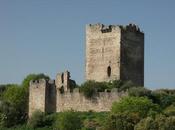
(112, 53)
(49, 96)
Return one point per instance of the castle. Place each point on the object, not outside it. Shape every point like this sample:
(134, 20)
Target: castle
(113, 52)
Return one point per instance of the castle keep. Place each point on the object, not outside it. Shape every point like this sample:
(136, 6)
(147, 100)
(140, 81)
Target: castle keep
(112, 53)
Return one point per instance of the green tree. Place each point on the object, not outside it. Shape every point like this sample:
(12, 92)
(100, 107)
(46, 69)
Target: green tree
(161, 122)
(121, 121)
(162, 98)
(147, 124)
(68, 120)
(30, 77)
(170, 110)
(13, 106)
(139, 105)
(139, 92)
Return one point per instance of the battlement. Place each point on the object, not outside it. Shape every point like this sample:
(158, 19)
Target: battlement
(131, 28)
(101, 28)
(75, 100)
(37, 82)
(110, 28)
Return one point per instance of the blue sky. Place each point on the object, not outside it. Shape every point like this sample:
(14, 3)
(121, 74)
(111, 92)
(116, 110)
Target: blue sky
(48, 36)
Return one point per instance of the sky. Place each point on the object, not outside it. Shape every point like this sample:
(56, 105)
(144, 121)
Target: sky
(48, 36)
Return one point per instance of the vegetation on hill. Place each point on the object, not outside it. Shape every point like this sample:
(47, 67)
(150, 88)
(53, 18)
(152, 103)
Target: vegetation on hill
(90, 88)
(142, 109)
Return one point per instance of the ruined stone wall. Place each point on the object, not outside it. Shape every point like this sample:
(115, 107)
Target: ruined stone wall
(37, 96)
(132, 55)
(50, 96)
(42, 96)
(102, 52)
(77, 101)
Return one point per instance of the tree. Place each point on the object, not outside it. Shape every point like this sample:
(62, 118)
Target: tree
(130, 105)
(139, 92)
(121, 121)
(14, 105)
(162, 98)
(68, 120)
(161, 122)
(170, 110)
(147, 124)
(30, 77)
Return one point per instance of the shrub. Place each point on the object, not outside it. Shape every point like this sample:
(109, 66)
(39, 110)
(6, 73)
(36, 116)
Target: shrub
(36, 120)
(121, 121)
(68, 120)
(130, 105)
(26, 81)
(161, 122)
(147, 124)
(9, 115)
(162, 98)
(89, 89)
(139, 92)
(170, 110)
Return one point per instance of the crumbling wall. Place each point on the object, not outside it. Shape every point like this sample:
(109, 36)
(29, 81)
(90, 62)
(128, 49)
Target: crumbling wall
(50, 96)
(77, 101)
(42, 96)
(37, 96)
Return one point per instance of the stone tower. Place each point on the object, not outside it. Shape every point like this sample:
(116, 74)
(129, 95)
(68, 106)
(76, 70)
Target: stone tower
(42, 96)
(114, 52)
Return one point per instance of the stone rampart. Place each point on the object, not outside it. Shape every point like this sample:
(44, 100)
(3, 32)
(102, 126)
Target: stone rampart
(77, 101)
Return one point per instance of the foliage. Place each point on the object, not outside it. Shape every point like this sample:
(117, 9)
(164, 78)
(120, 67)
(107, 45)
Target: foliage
(93, 120)
(146, 124)
(139, 92)
(14, 102)
(90, 88)
(121, 121)
(30, 77)
(134, 105)
(161, 122)
(13, 109)
(41, 120)
(9, 115)
(170, 110)
(162, 98)
(68, 120)
(15, 95)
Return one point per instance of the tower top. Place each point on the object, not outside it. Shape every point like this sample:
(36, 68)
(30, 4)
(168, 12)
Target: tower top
(109, 28)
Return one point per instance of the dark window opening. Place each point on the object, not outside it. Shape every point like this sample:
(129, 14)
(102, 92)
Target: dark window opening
(62, 78)
(109, 71)
(61, 89)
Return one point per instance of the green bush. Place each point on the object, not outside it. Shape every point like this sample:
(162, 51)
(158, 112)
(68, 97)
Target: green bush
(68, 120)
(41, 120)
(162, 98)
(26, 81)
(161, 122)
(121, 121)
(139, 92)
(10, 115)
(90, 88)
(170, 110)
(130, 105)
(36, 120)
